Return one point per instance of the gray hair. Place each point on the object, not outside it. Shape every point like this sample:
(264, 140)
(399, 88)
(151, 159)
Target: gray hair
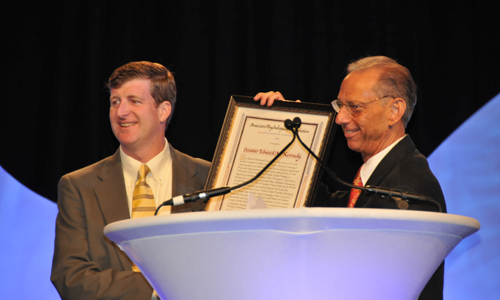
(395, 80)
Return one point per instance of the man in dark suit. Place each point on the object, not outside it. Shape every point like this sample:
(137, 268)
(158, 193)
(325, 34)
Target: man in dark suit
(86, 264)
(375, 103)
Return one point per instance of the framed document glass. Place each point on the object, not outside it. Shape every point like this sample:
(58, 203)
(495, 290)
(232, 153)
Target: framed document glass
(251, 136)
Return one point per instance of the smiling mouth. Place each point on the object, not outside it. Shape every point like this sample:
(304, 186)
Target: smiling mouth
(127, 124)
(351, 131)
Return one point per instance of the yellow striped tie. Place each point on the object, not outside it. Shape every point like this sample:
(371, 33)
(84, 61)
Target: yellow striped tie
(143, 201)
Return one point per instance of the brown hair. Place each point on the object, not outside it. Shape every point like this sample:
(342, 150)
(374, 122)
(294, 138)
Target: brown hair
(162, 80)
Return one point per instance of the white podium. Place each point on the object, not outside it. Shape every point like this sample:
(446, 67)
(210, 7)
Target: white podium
(306, 253)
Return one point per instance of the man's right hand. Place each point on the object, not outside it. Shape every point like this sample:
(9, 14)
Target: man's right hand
(268, 98)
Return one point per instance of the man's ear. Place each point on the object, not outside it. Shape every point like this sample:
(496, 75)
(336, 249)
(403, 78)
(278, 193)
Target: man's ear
(164, 109)
(396, 110)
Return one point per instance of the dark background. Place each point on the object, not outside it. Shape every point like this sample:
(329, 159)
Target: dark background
(56, 60)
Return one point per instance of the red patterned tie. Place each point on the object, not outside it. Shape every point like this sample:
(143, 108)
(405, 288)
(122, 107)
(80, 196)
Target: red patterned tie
(355, 192)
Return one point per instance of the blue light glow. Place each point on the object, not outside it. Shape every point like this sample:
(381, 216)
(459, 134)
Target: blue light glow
(27, 230)
(467, 165)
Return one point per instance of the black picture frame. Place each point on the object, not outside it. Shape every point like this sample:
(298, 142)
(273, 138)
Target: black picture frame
(242, 113)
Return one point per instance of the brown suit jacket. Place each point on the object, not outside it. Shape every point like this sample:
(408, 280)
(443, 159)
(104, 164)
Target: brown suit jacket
(87, 265)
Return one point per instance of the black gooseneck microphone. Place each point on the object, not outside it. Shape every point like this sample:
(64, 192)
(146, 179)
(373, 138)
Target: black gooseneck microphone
(400, 197)
(206, 195)
(394, 194)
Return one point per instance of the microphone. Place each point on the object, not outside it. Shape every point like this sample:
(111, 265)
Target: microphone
(296, 123)
(179, 200)
(394, 194)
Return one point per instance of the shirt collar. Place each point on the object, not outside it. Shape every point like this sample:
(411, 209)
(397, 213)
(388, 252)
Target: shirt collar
(371, 164)
(158, 164)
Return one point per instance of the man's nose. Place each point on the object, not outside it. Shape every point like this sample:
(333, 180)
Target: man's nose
(343, 116)
(123, 109)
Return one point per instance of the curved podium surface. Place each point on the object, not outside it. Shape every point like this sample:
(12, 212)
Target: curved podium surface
(303, 253)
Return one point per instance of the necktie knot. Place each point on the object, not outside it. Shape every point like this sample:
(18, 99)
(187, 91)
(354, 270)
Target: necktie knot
(143, 201)
(357, 180)
(355, 192)
(143, 171)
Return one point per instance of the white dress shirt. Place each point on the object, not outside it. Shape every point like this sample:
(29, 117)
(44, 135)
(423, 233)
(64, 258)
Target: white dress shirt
(159, 179)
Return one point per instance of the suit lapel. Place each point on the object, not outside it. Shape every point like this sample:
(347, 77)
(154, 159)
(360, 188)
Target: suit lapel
(388, 163)
(112, 199)
(111, 194)
(181, 177)
(183, 174)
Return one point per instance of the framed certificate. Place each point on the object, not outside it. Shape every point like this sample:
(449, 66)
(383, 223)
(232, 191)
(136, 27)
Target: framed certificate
(251, 136)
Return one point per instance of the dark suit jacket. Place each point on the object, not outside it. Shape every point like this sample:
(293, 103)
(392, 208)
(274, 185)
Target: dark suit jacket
(403, 168)
(406, 169)
(87, 265)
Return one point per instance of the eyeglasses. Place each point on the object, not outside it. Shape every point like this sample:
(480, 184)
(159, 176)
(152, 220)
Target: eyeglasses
(353, 108)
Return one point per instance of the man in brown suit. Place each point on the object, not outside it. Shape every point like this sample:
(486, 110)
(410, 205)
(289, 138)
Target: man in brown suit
(86, 264)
